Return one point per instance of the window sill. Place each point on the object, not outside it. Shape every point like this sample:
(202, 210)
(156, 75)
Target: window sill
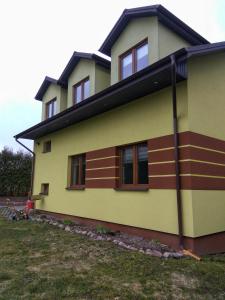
(72, 188)
(43, 194)
(135, 188)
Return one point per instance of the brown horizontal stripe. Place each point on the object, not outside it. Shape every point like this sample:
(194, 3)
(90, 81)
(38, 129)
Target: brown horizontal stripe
(101, 183)
(187, 153)
(204, 169)
(160, 156)
(162, 182)
(188, 167)
(202, 154)
(187, 182)
(113, 161)
(103, 168)
(204, 183)
(101, 173)
(201, 140)
(186, 138)
(161, 142)
(161, 169)
(101, 153)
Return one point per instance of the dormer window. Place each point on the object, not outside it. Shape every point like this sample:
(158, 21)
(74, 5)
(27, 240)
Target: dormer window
(81, 90)
(51, 108)
(134, 60)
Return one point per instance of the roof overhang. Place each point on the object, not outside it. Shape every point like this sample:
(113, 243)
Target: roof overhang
(144, 82)
(147, 81)
(44, 86)
(164, 16)
(63, 79)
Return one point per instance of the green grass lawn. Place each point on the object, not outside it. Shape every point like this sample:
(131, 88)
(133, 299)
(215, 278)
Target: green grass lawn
(39, 261)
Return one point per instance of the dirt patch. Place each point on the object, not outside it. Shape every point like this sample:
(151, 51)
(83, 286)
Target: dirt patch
(35, 269)
(37, 254)
(183, 281)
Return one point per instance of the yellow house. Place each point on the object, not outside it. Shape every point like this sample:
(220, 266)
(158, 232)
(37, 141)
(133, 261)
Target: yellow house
(137, 143)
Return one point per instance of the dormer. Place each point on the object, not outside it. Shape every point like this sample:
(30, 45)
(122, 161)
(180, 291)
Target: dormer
(144, 35)
(53, 97)
(86, 74)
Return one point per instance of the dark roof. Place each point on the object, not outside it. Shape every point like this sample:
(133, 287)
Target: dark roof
(75, 58)
(63, 79)
(164, 16)
(146, 81)
(44, 86)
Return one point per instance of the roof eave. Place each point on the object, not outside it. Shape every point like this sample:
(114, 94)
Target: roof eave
(63, 79)
(121, 86)
(44, 86)
(165, 17)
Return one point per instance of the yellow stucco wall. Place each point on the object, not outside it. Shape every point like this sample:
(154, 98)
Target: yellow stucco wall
(169, 42)
(206, 108)
(208, 212)
(102, 78)
(52, 92)
(148, 117)
(63, 99)
(206, 95)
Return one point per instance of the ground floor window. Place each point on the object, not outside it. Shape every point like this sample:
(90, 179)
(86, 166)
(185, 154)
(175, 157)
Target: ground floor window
(77, 171)
(134, 165)
(45, 188)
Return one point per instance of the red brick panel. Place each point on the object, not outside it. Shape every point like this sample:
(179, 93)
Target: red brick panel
(208, 162)
(101, 168)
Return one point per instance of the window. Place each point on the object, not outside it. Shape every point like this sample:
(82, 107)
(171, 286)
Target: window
(44, 188)
(81, 91)
(134, 165)
(47, 146)
(51, 108)
(77, 171)
(134, 60)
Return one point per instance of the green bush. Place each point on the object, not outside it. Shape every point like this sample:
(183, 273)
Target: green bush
(15, 173)
(103, 230)
(67, 222)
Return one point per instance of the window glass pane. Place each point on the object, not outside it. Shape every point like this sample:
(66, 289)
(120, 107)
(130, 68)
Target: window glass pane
(74, 171)
(83, 170)
(142, 57)
(78, 94)
(48, 107)
(53, 108)
(142, 154)
(86, 89)
(127, 165)
(126, 66)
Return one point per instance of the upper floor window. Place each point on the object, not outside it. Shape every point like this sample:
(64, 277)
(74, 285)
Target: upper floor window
(134, 60)
(81, 90)
(134, 165)
(51, 108)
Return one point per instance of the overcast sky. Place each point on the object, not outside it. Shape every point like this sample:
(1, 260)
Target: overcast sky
(39, 36)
